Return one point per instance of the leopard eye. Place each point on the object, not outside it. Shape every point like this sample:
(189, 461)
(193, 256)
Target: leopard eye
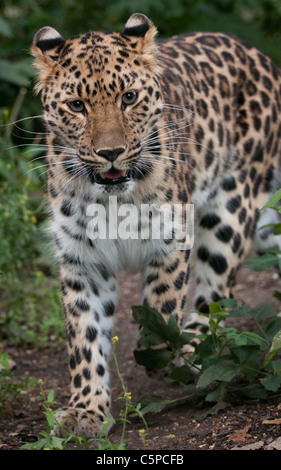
(77, 106)
(129, 98)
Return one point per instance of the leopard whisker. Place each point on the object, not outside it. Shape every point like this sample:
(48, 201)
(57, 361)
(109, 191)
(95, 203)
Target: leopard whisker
(13, 123)
(170, 131)
(170, 124)
(160, 159)
(173, 122)
(170, 148)
(48, 164)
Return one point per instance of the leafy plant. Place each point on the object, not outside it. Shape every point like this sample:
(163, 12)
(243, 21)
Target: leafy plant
(129, 410)
(156, 332)
(10, 386)
(30, 305)
(230, 363)
(50, 441)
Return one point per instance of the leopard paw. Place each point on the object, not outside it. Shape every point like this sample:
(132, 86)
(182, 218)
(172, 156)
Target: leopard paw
(79, 422)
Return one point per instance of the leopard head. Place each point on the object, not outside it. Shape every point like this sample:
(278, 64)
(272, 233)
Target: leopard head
(101, 97)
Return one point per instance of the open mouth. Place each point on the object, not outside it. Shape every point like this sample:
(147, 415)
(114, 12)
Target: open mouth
(113, 176)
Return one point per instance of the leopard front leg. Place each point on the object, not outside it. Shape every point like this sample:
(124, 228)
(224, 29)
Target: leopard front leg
(89, 299)
(164, 289)
(164, 284)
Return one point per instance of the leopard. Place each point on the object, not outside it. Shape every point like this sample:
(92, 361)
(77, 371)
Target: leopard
(133, 120)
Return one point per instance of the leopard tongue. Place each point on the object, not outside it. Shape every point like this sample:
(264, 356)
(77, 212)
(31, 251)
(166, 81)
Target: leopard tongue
(113, 174)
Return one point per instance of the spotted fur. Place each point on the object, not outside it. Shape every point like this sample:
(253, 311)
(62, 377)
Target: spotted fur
(191, 119)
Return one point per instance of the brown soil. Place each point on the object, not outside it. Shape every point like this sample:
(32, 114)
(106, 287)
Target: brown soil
(248, 425)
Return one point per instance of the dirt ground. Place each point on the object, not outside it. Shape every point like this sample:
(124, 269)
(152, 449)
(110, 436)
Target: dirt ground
(249, 425)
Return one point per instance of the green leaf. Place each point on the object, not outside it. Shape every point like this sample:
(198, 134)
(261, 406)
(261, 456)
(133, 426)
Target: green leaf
(153, 358)
(277, 229)
(233, 335)
(50, 419)
(273, 200)
(219, 371)
(272, 249)
(206, 348)
(152, 320)
(18, 73)
(153, 403)
(216, 313)
(239, 311)
(277, 295)
(51, 395)
(276, 344)
(262, 262)
(175, 338)
(220, 405)
(148, 338)
(40, 444)
(157, 331)
(217, 394)
(271, 383)
(254, 391)
(4, 362)
(181, 374)
(263, 311)
(5, 29)
(249, 359)
(228, 303)
(186, 337)
(214, 307)
(174, 332)
(57, 443)
(253, 338)
(277, 366)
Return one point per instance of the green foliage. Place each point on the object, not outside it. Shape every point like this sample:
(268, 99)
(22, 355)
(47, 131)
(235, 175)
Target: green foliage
(10, 386)
(266, 260)
(230, 363)
(155, 331)
(30, 305)
(275, 346)
(49, 440)
(32, 310)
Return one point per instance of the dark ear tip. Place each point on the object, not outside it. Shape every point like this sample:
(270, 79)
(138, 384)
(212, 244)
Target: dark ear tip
(47, 38)
(137, 25)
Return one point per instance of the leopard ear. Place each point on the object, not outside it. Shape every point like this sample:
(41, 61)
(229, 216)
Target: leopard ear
(45, 48)
(47, 39)
(140, 28)
(138, 25)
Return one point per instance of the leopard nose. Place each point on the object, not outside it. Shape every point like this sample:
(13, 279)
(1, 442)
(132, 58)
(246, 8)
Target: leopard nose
(110, 154)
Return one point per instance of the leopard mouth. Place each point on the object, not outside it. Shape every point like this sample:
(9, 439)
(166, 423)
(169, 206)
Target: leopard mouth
(113, 176)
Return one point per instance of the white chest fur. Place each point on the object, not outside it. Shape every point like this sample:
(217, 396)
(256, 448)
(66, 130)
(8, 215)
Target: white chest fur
(117, 233)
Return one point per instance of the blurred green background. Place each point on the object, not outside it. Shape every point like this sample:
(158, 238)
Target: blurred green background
(29, 301)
